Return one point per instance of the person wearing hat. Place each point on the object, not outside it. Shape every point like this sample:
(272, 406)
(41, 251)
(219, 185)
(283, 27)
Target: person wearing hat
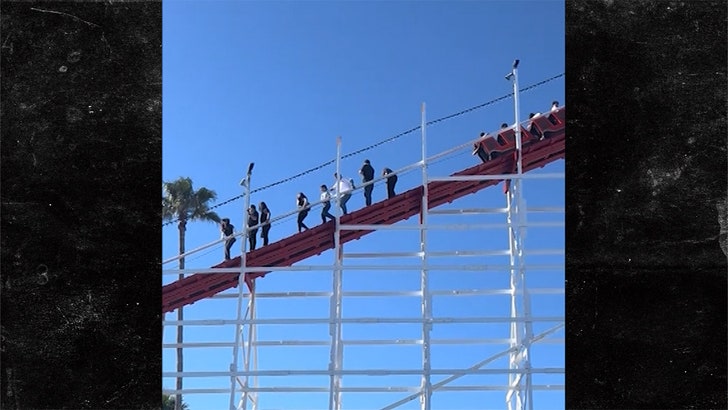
(367, 174)
(227, 229)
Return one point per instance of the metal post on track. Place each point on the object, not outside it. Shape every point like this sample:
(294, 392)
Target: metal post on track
(252, 336)
(516, 213)
(336, 357)
(514, 396)
(426, 397)
(245, 183)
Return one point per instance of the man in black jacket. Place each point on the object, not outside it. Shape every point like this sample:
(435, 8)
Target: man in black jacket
(227, 230)
(391, 181)
(252, 221)
(367, 174)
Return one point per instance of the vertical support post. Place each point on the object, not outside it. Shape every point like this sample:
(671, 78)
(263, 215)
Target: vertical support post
(336, 357)
(252, 337)
(180, 331)
(513, 396)
(526, 298)
(521, 217)
(241, 288)
(253, 343)
(426, 397)
(523, 332)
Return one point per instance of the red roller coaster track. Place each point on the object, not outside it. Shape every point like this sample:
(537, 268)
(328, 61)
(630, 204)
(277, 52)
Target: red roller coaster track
(316, 240)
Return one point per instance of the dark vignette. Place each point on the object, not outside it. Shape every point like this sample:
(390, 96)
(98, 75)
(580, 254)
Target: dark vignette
(646, 177)
(81, 167)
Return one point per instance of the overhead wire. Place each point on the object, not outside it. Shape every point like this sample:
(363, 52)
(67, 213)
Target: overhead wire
(385, 141)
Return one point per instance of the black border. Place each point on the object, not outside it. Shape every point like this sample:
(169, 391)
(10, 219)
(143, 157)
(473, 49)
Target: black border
(646, 277)
(81, 221)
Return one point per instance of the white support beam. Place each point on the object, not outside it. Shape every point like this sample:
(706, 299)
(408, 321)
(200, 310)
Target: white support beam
(446, 227)
(426, 301)
(392, 342)
(389, 268)
(336, 358)
(374, 293)
(478, 365)
(487, 211)
(420, 254)
(362, 372)
(245, 183)
(363, 320)
(398, 389)
(499, 177)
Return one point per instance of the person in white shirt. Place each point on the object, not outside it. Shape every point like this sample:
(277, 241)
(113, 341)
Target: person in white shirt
(326, 198)
(342, 187)
(554, 106)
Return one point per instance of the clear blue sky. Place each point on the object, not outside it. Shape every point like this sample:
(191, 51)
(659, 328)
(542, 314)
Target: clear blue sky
(275, 83)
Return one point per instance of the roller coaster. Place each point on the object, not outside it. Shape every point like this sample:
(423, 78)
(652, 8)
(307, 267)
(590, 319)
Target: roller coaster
(538, 151)
(542, 142)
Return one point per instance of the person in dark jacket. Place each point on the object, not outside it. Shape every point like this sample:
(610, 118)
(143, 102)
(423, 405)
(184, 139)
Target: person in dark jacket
(479, 150)
(367, 174)
(391, 181)
(252, 221)
(265, 220)
(326, 198)
(227, 229)
(532, 128)
(303, 205)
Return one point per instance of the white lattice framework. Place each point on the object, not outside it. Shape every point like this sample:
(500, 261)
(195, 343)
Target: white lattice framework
(244, 372)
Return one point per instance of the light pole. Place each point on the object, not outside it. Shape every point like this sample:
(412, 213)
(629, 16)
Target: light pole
(513, 76)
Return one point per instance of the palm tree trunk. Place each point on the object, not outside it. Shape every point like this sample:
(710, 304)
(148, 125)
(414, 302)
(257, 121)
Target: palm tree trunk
(180, 316)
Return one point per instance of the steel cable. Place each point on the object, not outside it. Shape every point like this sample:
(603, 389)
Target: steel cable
(385, 141)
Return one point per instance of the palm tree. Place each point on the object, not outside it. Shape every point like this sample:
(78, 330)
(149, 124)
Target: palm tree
(182, 203)
(168, 403)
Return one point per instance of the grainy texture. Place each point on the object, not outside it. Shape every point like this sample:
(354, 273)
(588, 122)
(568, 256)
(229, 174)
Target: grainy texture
(81, 168)
(646, 175)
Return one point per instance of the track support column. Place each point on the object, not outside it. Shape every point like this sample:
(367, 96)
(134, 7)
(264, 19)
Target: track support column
(234, 379)
(520, 393)
(426, 397)
(337, 353)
